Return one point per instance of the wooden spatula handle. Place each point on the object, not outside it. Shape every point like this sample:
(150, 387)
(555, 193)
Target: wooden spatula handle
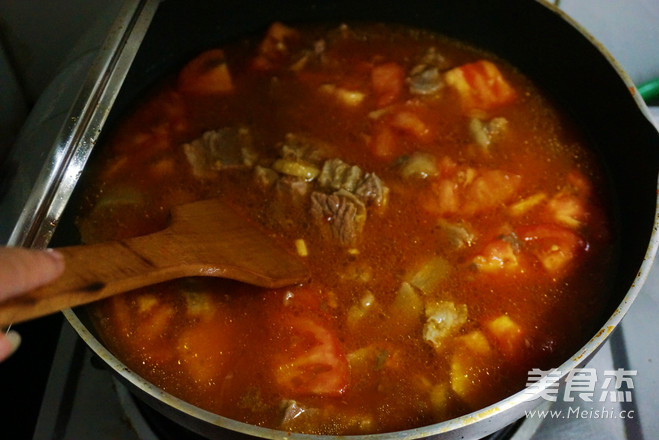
(94, 272)
(205, 238)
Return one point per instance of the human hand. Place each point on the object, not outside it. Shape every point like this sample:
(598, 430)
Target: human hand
(22, 270)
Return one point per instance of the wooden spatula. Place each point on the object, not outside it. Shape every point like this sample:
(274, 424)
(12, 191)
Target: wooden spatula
(206, 238)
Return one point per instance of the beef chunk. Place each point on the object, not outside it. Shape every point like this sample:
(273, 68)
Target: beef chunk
(291, 189)
(215, 150)
(458, 234)
(265, 177)
(444, 319)
(299, 147)
(425, 80)
(340, 215)
(338, 193)
(485, 133)
(426, 77)
(372, 191)
(337, 175)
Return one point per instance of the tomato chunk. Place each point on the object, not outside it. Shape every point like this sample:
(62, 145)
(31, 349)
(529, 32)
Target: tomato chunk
(489, 190)
(553, 245)
(468, 192)
(444, 198)
(498, 255)
(409, 123)
(568, 210)
(206, 74)
(143, 322)
(274, 48)
(384, 143)
(473, 370)
(507, 335)
(312, 361)
(388, 80)
(481, 86)
(204, 351)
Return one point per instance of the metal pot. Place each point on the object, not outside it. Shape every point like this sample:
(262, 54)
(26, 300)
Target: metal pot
(574, 70)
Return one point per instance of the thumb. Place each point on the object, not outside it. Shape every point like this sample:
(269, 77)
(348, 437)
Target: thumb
(23, 269)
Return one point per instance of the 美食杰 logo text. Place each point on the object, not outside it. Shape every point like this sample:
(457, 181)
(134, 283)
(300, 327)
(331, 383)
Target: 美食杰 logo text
(592, 395)
(582, 413)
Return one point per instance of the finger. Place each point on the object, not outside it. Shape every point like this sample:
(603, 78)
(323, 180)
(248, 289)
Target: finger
(26, 269)
(9, 342)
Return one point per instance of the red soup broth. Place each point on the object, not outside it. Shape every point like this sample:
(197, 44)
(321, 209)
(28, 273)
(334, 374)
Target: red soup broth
(453, 219)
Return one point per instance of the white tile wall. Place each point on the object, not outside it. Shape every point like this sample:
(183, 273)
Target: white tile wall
(629, 29)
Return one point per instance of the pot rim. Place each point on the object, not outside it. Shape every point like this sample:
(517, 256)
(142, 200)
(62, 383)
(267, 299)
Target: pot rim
(59, 177)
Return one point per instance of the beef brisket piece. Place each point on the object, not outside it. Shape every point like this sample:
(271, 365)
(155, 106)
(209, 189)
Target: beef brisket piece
(215, 150)
(340, 215)
(337, 175)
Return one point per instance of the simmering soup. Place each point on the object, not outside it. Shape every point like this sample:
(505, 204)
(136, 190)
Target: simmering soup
(452, 218)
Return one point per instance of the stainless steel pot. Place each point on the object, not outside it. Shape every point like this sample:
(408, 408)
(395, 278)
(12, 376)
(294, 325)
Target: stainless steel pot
(547, 46)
